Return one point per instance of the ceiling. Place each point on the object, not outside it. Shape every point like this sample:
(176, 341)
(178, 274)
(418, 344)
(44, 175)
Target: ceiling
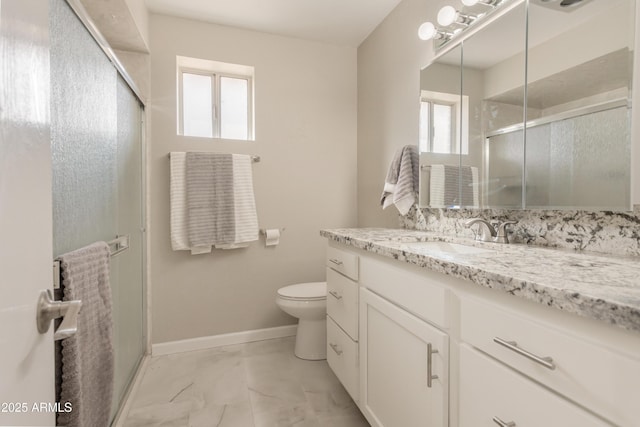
(339, 22)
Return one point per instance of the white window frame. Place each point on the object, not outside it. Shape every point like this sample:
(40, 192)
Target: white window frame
(215, 70)
(459, 121)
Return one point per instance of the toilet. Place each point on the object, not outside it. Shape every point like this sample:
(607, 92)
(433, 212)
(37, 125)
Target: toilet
(307, 302)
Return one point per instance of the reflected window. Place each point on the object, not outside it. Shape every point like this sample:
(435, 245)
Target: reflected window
(441, 121)
(215, 99)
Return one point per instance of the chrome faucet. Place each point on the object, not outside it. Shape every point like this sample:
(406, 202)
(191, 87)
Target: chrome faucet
(488, 232)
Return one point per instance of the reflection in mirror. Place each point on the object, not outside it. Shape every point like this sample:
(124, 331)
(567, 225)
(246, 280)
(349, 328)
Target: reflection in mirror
(568, 79)
(494, 64)
(442, 118)
(578, 105)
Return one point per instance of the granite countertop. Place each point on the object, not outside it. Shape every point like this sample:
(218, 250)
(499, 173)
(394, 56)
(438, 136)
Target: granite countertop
(598, 286)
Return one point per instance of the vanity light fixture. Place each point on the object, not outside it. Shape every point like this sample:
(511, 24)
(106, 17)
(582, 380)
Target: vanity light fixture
(448, 15)
(490, 3)
(452, 22)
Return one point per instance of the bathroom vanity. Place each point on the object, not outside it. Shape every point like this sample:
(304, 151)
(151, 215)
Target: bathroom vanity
(433, 330)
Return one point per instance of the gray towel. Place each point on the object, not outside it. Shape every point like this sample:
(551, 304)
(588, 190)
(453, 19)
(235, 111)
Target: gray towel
(402, 182)
(220, 203)
(87, 357)
(447, 182)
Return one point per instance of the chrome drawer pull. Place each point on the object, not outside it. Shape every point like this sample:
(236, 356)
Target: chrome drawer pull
(430, 377)
(335, 261)
(335, 348)
(502, 423)
(547, 362)
(335, 294)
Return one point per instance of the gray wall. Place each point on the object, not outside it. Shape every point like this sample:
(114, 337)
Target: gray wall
(306, 135)
(389, 63)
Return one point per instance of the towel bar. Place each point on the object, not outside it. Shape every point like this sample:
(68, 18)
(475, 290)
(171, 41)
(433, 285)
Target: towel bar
(116, 246)
(254, 158)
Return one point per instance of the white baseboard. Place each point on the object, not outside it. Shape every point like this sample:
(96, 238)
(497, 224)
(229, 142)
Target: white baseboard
(212, 341)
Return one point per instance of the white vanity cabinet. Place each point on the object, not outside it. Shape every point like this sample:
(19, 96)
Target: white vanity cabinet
(403, 366)
(581, 360)
(404, 351)
(493, 395)
(342, 317)
(437, 351)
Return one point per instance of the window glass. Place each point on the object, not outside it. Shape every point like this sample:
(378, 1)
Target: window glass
(425, 126)
(196, 105)
(234, 108)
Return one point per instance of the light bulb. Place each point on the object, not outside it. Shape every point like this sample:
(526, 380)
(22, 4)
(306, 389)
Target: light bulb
(427, 31)
(447, 16)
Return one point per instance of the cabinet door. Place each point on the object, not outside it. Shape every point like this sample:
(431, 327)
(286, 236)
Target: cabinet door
(396, 364)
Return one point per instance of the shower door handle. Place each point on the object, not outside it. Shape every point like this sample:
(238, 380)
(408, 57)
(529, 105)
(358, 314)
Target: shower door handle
(48, 310)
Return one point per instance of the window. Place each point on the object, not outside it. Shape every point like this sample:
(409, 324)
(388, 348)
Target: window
(215, 99)
(441, 121)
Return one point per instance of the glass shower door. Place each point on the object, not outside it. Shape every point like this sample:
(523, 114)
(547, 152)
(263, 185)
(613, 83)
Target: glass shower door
(97, 151)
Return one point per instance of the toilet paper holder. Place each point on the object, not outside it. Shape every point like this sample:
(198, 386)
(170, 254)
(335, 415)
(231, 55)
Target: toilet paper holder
(263, 231)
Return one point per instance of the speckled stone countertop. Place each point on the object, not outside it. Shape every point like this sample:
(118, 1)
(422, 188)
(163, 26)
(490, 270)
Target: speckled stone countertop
(588, 284)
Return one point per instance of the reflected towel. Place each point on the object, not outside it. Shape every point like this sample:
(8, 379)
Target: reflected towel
(87, 357)
(402, 181)
(448, 181)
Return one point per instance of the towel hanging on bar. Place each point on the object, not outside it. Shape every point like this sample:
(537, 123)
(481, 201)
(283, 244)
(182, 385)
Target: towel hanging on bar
(254, 158)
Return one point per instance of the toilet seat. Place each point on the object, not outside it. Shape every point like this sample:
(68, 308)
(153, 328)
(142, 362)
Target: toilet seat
(312, 291)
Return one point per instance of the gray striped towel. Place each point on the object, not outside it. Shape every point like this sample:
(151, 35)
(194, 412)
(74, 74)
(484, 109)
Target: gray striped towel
(402, 181)
(221, 208)
(87, 357)
(448, 181)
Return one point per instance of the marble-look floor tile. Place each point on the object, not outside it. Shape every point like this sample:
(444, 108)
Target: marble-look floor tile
(259, 384)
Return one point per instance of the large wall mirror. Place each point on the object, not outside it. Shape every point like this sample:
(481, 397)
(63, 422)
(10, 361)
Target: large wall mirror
(536, 121)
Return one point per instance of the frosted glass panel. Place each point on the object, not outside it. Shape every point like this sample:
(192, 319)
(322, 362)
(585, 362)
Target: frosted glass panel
(234, 108)
(197, 105)
(83, 135)
(504, 181)
(126, 268)
(580, 162)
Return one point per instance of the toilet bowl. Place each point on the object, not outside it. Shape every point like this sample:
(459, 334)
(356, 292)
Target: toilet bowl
(307, 302)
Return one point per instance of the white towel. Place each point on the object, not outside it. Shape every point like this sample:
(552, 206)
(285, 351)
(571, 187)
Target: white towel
(402, 181)
(178, 202)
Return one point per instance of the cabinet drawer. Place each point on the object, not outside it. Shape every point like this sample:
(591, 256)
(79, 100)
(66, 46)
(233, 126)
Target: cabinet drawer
(596, 377)
(488, 389)
(342, 302)
(342, 356)
(343, 262)
(418, 292)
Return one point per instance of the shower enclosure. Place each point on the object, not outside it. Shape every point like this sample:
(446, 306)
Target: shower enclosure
(97, 149)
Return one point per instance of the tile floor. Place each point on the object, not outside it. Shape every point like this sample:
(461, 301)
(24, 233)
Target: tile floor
(259, 384)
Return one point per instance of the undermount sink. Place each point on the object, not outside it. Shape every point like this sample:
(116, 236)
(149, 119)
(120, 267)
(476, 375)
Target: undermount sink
(446, 248)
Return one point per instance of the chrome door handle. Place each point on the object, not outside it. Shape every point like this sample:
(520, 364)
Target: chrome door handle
(430, 376)
(547, 362)
(335, 294)
(335, 261)
(502, 423)
(48, 310)
(335, 348)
